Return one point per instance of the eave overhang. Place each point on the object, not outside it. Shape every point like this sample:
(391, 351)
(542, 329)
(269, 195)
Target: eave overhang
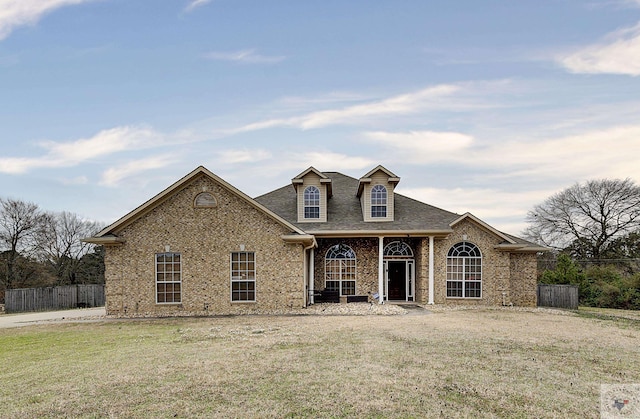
(307, 240)
(520, 248)
(379, 233)
(109, 240)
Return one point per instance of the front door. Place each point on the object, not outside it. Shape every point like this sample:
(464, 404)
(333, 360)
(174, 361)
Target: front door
(397, 280)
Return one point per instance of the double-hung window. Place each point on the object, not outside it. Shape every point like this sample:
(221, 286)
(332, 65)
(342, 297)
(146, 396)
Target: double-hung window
(378, 202)
(311, 202)
(168, 278)
(243, 276)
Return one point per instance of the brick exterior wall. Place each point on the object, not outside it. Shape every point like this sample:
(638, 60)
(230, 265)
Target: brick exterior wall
(513, 274)
(205, 238)
(524, 283)
(502, 272)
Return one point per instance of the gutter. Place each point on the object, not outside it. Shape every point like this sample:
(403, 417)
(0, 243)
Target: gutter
(378, 233)
(306, 240)
(109, 240)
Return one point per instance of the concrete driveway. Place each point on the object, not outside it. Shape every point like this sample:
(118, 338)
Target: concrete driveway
(47, 317)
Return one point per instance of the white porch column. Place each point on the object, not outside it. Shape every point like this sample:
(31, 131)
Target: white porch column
(431, 270)
(381, 269)
(312, 275)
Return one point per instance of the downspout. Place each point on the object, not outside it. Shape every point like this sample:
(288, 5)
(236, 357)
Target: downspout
(431, 281)
(381, 269)
(308, 273)
(312, 275)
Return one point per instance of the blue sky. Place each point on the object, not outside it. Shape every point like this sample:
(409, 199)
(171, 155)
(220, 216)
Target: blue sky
(481, 106)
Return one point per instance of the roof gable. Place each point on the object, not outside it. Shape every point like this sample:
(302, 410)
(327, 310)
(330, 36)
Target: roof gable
(484, 225)
(108, 233)
(392, 178)
(382, 169)
(324, 179)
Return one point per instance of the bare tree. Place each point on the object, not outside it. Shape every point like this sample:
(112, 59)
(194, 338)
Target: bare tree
(22, 226)
(63, 248)
(586, 218)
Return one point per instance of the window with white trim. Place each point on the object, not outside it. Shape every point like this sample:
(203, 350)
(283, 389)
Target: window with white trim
(398, 250)
(243, 276)
(340, 269)
(168, 278)
(311, 202)
(464, 271)
(205, 200)
(378, 201)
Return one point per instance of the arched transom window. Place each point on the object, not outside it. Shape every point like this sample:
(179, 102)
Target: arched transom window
(378, 202)
(398, 250)
(340, 269)
(464, 271)
(312, 202)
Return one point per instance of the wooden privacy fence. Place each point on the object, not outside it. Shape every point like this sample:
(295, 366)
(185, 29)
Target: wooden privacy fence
(556, 295)
(53, 298)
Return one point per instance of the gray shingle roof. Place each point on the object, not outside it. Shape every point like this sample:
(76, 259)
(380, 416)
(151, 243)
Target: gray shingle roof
(344, 211)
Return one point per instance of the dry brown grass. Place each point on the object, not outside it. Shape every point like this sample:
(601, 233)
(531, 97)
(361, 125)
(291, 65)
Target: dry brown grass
(453, 363)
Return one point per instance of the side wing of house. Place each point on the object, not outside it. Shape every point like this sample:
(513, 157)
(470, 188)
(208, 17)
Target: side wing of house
(201, 247)
(477, 264)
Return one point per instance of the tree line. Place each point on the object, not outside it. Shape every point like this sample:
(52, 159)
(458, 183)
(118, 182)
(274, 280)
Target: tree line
(41, 248)
(593, 232)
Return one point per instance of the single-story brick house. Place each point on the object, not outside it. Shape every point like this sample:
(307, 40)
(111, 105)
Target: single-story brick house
(202, 246)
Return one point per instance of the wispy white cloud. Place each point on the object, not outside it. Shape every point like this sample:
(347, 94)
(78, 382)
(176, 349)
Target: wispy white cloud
(16, 13)
(619, 53)
(329, 161)
(65, 154)
(490, 204)
(396, 105)
(243, 156)
(115, 175)
(589, 154)
(330, 98)
(422, 146)
(595, 153)
(247, 56)
(194, 4)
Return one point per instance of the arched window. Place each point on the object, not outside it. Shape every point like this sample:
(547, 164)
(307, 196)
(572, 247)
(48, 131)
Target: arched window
(378, 202)
(205, 200)
(464, 271)
(340, 269)
(398, 250)
(312, 202)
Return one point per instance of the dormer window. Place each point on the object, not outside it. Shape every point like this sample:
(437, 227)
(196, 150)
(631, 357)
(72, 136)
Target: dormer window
(311, 203)
(375, 191)
(313, 189)
(378, 202)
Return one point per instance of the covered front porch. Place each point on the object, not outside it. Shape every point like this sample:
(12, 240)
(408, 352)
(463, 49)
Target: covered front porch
(384, 268)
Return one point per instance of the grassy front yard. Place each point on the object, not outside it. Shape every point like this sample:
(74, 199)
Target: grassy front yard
(473, 363)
